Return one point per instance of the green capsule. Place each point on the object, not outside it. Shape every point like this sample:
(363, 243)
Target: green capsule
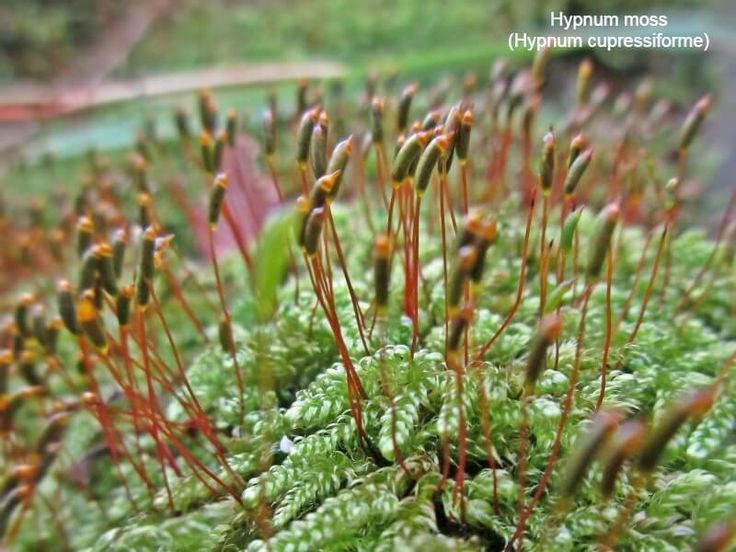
(407, 155)
(547, 162)
(586, 448)
(322, 189)
(52, 332)
(27, 368)
(269, 133)
(465, 262)
(549, 330)
(52, 433)
(39, 325)
(148, 250)
(217, 199)
(605, 226)
(85, 230)
(576, 170)
(67, 310)
(22, 322)
(486, 236)
(182, 124)
(313, 230)
(577, 146)
(693, 121)
(122, 304)
(428, 161)
(10, 502)
(139, 167)
(377, 110)
(318, 150)
(106, 267)
(119, 245)
(381, 272)
(692, 404)
(225, 334)
(6, 359)
(91, 323)
(568, 229)
(303, 208)
(231, 127)
(584, 82)
(462, 144)
(145, 201)
(304, 135)
(89, 268)
(402, 110)
(301, 96)
(208, 152)
(458, 325)
(338, 162)
(218, 151)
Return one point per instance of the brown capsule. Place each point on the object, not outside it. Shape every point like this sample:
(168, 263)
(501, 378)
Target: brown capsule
(304, 135)
(231, 127)
(463, 138)
(106, 268)
(85, 229)
(91, 323)
(716, 537)
(431, 120)
(119, 245)
(208, 151)
(625, 443)
(606, 223)
(377, 109)
(586, 447)
(692, 404)
(67, 310)
(576, 171)
(437, 148)
(338, 162)
(466, 258)
(693, 121)
(10, 502)
(381, 271)
(458, 325)
(584, 82)
(303, 208)
(549, 330)
(313, 230)
(122, 304)
(402, 110)
(547, 162)
(217, 198)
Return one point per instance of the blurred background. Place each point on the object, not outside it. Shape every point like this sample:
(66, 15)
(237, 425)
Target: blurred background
(82, 74)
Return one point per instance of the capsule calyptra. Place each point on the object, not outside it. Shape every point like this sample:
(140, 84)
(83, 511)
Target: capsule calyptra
(381, 271)
(217, 198)
(549, 330)
(605, 225)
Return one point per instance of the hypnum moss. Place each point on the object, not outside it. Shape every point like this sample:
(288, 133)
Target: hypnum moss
(420, 355)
